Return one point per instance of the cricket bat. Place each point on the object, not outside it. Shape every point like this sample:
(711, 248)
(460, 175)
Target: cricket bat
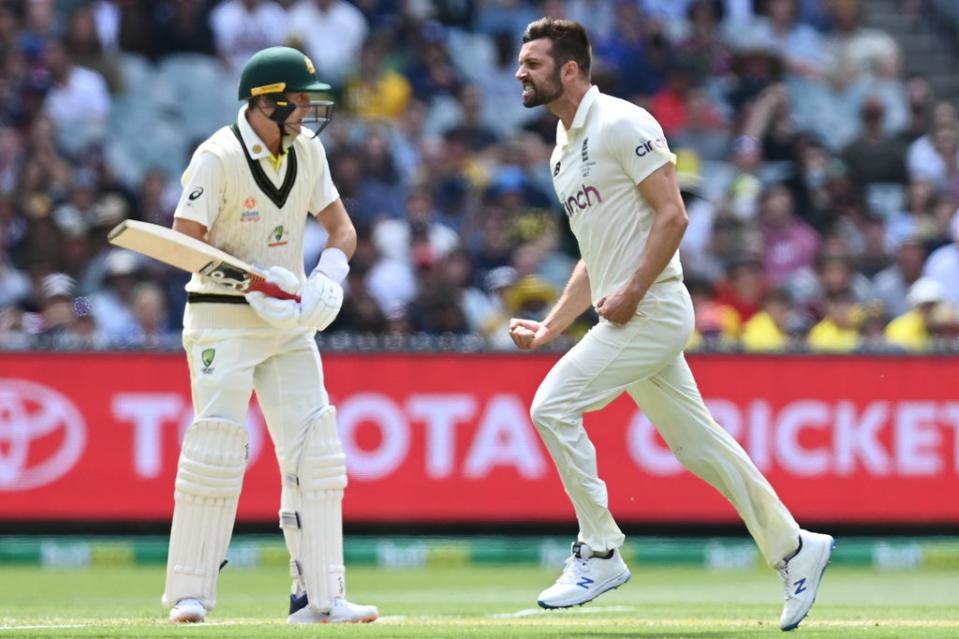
(187, 253)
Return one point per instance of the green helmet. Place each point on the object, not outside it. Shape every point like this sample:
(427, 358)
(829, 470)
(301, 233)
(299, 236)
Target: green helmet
(278, 70)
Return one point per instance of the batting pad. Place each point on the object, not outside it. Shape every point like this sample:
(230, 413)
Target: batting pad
(311, 514)
(208, 481)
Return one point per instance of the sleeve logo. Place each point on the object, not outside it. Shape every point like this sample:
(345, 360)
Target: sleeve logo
(195, 193)
(647, 145)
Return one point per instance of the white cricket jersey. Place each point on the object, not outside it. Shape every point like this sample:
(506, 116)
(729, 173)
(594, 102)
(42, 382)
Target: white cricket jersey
(251, 209)
(611, 146)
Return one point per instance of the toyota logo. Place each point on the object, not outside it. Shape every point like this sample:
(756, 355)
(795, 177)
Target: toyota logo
(42, 435)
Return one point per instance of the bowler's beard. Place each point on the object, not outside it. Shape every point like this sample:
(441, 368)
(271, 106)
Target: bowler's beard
(550, 90)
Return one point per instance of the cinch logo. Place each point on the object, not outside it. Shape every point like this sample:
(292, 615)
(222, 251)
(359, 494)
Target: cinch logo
(42, 435)
(582, 199)
(647, 146)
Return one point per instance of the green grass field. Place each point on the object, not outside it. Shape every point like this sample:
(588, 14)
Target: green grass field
(488, 601)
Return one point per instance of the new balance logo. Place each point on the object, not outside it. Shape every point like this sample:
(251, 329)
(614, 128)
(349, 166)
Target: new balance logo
(584, 582)
(800, 586)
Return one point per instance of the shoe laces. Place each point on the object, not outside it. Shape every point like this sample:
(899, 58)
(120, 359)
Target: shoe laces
(573, 570)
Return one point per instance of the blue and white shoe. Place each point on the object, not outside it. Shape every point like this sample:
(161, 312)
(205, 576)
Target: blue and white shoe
(585, 577)
(801, 575)
(341, 611)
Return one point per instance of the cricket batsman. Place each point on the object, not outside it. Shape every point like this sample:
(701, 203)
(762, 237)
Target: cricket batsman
(615, 177)
(248, 190)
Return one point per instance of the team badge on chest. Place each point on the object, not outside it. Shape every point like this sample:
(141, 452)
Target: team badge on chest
(250, 213)
(587, 164)
(277, 237)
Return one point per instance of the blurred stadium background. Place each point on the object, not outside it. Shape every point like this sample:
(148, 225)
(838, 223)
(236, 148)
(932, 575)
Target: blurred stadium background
(818, 146)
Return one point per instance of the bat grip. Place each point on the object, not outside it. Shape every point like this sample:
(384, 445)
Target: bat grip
(258, 283)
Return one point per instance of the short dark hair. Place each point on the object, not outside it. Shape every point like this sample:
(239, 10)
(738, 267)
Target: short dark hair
(569, 39)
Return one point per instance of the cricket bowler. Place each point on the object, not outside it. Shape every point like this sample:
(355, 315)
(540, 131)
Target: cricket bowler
(247, 191)
(615, 177)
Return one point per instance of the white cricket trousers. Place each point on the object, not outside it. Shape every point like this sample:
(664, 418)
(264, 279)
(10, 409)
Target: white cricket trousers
(284, 368)
(645, 359)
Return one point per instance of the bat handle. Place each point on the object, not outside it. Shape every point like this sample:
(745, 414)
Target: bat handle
(257, 283)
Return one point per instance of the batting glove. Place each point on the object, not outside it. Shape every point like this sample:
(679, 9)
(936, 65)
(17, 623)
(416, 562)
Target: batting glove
(321, 301)
(282, 314)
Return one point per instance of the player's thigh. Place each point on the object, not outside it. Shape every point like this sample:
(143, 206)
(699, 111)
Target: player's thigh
(290, 391)
(221, 363)
(672, 402)
(603, 364)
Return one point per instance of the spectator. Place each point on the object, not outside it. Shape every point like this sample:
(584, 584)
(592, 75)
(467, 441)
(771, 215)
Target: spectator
(85, 50)
(891, 285)
(148, 306)
(919, 217)
(799, 44)
(703, 130)
(922, 158)
(744, 287)
(875, 156)
(243, 27)
(376, 91)
(768, 330)
(78, 101)
(854, 50)
(717, 324)
(183, 26)
(332, 33)
(471, 125)
(790, 244)
(745, 188)
(919, 99)
(65, 322)
(838, 331)
(911, 330)
(111, 307)
(702, 45)
(943, 264)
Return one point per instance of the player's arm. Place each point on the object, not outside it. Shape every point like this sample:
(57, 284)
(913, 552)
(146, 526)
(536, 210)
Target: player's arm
(638, 143)
(339, 228)
(189, 227)
(199, 203)
(661, 191)
(530, 334)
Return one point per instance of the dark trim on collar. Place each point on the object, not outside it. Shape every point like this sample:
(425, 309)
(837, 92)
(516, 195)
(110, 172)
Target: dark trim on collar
(277, 195)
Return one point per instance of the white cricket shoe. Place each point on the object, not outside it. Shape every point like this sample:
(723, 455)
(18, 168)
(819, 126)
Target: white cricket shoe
(188, 611)
(584, 578)
(801, 575)
(342, 611)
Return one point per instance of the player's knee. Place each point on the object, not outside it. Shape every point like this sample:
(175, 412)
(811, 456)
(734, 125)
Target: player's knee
(212, 459)
(323, 463)
(545, 411)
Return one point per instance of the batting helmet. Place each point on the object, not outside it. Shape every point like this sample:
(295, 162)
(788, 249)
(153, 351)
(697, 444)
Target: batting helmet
(277, 71)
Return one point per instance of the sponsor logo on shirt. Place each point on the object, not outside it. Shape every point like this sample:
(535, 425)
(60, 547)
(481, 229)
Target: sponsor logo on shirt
(582, 199)
(250, 213)
(587, 164)
(556, 170)
(648, 145)
(277, 237)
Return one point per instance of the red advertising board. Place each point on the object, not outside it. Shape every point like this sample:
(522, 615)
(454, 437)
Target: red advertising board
(448, 438)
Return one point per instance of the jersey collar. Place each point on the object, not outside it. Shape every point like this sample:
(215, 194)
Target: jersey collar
(582, 111)
(254, 145)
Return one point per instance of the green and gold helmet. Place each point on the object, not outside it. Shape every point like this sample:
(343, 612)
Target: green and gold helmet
(278, 71)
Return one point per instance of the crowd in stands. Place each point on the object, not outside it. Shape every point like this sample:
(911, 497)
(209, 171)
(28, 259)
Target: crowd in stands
(822, 184)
